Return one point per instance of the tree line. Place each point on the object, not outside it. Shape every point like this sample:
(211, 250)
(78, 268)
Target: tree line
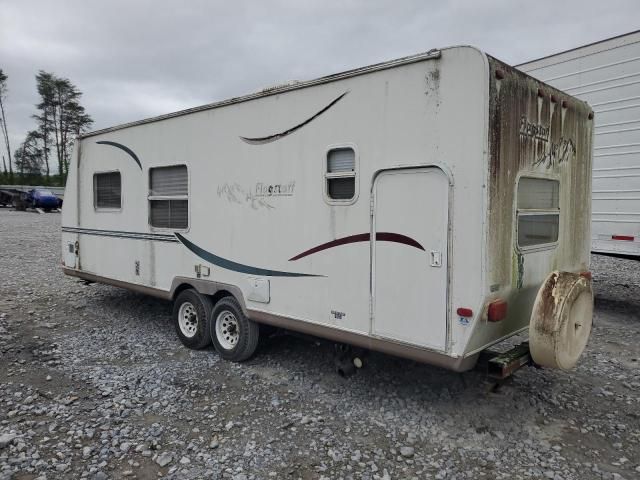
(59, 118)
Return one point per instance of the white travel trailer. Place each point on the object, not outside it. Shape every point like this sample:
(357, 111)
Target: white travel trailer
(427, 207)
(607, 75)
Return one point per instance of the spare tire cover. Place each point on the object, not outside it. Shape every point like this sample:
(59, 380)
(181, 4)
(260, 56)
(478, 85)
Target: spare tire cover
(561, 320)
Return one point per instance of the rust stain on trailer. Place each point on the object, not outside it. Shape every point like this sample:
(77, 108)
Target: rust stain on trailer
(555, 290)
(549, 301)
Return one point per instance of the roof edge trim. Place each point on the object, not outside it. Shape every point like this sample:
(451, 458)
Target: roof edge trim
(431, 54)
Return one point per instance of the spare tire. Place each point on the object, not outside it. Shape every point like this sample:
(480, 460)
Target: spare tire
(561, 320)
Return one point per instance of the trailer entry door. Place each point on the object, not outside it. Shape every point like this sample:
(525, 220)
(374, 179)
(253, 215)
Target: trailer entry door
(409, 256)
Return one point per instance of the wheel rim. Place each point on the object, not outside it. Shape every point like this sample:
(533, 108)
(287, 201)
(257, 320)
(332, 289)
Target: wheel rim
(188, 320)
(227, 332)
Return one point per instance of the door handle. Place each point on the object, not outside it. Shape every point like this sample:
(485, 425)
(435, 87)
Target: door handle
(436, 258)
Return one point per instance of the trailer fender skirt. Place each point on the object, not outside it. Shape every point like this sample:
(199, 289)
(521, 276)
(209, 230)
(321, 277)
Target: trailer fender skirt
(561, 320)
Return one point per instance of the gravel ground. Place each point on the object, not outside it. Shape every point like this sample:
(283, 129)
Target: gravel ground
(95, 384)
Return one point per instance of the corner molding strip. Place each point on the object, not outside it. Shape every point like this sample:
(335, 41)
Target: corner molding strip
(234, 266)
(278, 136)
(124, 148)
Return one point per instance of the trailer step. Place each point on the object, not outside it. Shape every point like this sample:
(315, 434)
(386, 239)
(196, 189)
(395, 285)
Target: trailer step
(502, 365)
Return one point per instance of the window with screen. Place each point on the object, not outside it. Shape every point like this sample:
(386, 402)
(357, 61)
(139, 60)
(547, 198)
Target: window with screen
(169, 197)
(107, 190)
(340, 176)
(538, 213)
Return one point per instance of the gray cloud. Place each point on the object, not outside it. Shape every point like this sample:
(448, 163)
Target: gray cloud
(138, 59)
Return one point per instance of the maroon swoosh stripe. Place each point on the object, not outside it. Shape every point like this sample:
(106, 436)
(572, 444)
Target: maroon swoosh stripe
(361, 237)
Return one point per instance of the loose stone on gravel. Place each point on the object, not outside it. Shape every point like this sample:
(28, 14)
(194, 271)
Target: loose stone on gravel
(6, 439)
(407, 452)
(164, 459)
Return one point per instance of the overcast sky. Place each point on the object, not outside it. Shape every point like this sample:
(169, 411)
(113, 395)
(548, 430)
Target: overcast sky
(135, 59)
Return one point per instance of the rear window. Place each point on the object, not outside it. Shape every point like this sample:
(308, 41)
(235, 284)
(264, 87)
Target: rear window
(538, 212)
(107, 190)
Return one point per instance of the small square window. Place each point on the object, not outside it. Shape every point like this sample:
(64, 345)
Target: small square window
(169, 197)
(340, 175)
(538, 193)
(537, 229)
(538, 213)
(107, 190)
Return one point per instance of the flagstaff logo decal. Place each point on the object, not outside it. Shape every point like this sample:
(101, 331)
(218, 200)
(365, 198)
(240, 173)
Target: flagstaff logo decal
(275, 189)
(260, 196)
(554, 152)
(533, 130)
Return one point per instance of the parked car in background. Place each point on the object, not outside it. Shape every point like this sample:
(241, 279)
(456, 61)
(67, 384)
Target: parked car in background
(42, 198)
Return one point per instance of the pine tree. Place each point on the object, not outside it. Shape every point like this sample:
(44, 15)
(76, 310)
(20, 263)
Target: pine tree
(61, 117)
(28, 156)
(3, 119)
(44, 118)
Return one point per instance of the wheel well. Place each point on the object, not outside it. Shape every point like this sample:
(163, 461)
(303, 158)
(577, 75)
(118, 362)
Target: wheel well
(180, 288)
(219, 295)
(214, 298)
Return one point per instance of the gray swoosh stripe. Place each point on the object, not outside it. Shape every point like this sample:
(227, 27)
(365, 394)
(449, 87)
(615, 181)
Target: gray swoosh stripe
(234, 266)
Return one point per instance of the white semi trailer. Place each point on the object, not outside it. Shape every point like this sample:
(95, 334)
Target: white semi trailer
(607, 75)
(427, 207)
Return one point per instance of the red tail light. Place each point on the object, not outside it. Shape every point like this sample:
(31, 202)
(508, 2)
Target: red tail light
(497, 311)
(628, 238)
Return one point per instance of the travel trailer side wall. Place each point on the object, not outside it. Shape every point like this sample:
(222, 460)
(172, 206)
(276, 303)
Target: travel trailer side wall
(607, 74)
(423, 207)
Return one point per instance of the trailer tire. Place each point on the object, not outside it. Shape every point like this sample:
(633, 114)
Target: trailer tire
(191, 313)
(234, 336)
(561, 320)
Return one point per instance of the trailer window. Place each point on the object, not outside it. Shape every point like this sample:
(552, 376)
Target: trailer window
(340, 175)
(107, 190)
(538, 212)
(169, 197)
